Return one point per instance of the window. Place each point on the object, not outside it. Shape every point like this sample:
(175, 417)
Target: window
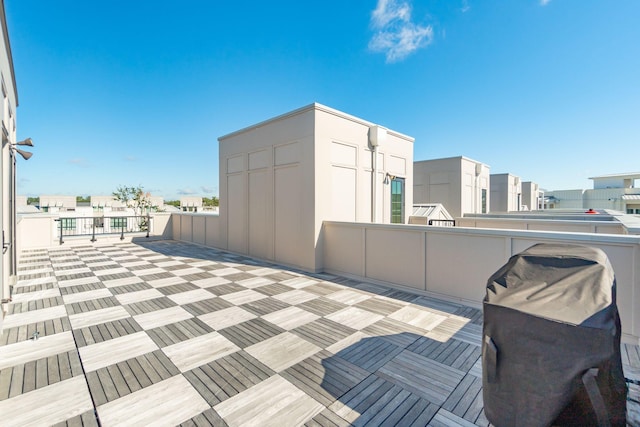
(484, 200)
(98, 221)
(630, 211)
(68, 223)
(397, 201)
(118, 222)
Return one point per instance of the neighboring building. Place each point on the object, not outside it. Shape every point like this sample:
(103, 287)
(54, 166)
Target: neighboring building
(57, 203)
(8, 107)
(191, 204)
(436, 213)
(460, 184)
(616, 192)
(102, 204)
(532, 196)
(280, 179)
(506, 192)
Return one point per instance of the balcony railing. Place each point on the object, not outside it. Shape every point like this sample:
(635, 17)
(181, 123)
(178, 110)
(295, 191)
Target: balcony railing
(443, 222)
(102, 225)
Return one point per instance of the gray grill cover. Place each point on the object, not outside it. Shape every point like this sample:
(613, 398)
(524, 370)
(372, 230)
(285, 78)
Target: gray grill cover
(550, 315)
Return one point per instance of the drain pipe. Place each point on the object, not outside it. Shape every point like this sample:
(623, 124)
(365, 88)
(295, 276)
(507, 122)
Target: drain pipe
(377, 135)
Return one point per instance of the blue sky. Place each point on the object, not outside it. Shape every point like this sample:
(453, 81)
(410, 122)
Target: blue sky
(137, 92)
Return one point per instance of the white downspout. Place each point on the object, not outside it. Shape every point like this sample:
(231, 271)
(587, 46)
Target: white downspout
(377, 135)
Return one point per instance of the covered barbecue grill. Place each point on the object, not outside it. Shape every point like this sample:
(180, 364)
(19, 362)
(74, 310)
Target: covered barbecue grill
(551, 340)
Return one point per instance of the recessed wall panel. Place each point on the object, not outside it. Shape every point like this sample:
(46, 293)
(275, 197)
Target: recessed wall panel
(288, 215)
(236, 221)
(258, 226)
(259, 160)
(235, 164)
(288, 154)
(344, 154)
(343, 194)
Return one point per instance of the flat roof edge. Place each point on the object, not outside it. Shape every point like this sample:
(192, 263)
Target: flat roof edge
(312, 107)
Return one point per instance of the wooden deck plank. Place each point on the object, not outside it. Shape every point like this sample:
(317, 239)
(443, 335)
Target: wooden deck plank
(147, 366)
(17, 381)
(5, 382)
(129, 377)
(382, 407)
(201, 386)
(108, 385)
(138, 372)
(53, 369)
(95, 388)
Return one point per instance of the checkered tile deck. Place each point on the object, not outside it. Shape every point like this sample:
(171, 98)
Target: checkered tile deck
(168, 333)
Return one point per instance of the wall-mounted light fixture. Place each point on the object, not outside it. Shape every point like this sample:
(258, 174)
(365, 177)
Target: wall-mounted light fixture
(25, 154)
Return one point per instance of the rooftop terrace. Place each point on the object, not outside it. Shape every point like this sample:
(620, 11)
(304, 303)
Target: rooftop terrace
(168, 333)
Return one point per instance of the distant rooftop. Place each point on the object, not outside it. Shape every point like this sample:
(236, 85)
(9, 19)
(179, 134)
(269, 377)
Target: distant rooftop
(630, 175)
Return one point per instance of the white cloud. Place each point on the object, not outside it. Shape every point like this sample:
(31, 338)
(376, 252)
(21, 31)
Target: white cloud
(544, 2)
(206, 189)
(186, 191)
(465, 6)
(396, 35)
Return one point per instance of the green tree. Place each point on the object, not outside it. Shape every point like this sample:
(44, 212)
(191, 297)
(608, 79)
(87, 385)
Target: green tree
(175, 203)
(81, 199)
(135, 198)
(213, 201)
(33, 200)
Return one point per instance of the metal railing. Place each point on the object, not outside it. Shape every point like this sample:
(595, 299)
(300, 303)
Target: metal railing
(443, 222)
(102, 225)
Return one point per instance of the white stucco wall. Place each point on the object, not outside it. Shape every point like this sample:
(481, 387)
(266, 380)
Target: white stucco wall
(456, 182)
(280, 179)
(8, 107)
(505, 189)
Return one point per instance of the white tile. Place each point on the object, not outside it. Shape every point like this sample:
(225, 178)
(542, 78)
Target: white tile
(86, 296)
(347, 296)
(117, 270)
(25, 351)
(73, 271)
(190, 296)
(79, 281)
(167, 403)
(48, 405)
(121, 282)
(255, 282)
(264, 271)
(113, 351)
(282, 351)
(243, 297)
(299, 282)
(36, 281)
(419, 318)
(347, 342)
(227, 317)
(213, 281)
(33, 316)
(221, 272)
(149, 271)
(198, 351)
(167, 281)
(187, 271)
(274, 402)
(290, 317)
(95, 317)
(296, 296)
(354, 317)
(164, 264)
(34, 296)
(162, 317)
(137, 296)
